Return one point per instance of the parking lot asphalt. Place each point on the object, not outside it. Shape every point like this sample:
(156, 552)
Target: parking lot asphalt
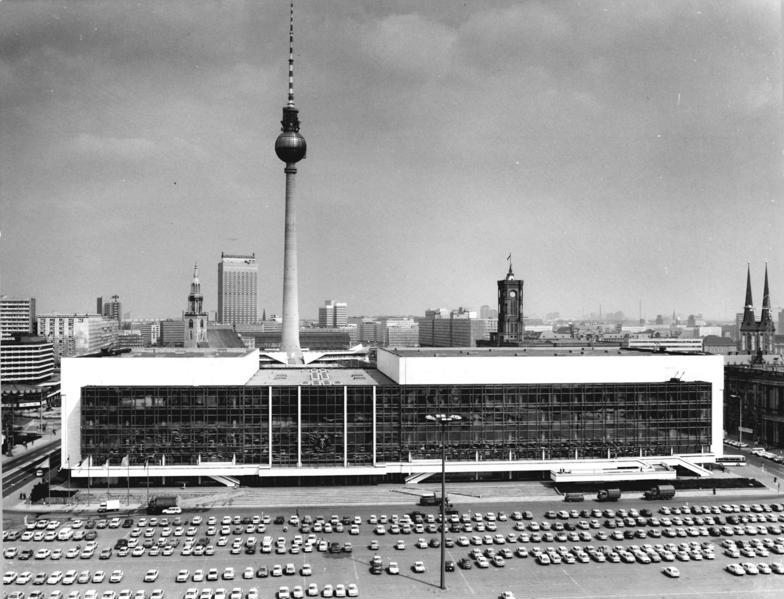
(522, 575)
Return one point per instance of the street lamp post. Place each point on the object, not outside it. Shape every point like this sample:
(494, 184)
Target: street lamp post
(740, 416)
(443, 420)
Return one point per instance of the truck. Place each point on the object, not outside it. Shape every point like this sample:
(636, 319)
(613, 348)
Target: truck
(110, 505)
(158, 504)
(608, 495)
(660, 492)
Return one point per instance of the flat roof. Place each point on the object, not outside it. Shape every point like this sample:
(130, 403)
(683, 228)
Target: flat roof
(177, 352)
(510, 352)
(318, 376)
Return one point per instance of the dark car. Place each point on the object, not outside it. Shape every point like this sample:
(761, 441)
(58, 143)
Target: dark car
(89, 524)
(449, 542)
(127, 523)
(262, 572)
(434, 542)
(25, 554)
(465, 563)
(334, 547)
(376, 569)
(279, 520)
(106, 553)
(449, 566)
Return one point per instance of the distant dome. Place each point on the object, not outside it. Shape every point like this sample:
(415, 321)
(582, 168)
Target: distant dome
(290, 146)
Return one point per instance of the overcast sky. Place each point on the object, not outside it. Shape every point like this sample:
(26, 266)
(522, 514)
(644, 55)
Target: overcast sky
(620, 151)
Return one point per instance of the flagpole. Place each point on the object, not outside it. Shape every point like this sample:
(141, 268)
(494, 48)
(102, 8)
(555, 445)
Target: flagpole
(89, 459)
(128, 465)
(68, 465)
(107, 479)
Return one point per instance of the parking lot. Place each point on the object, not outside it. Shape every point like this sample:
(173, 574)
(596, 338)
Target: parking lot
(596, 550)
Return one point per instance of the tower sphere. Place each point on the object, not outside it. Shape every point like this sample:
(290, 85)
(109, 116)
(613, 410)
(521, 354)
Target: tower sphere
(290, 146)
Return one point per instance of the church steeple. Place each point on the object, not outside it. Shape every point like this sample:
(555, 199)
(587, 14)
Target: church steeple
(766, 317)
(748, 309)
(195, 317)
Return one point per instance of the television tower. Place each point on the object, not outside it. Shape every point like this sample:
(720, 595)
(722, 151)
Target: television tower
(290, 148)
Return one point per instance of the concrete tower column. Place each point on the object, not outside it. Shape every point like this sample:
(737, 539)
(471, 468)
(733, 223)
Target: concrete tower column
(289, 341)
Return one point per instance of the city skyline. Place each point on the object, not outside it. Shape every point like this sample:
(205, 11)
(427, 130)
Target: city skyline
(621, 152)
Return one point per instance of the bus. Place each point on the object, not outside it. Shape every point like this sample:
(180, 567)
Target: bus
(731, 460)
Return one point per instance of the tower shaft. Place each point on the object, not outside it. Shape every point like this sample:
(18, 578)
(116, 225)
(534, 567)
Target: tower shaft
(289, 341)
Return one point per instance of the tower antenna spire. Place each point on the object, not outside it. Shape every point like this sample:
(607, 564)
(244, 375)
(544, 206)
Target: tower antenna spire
(291, 55)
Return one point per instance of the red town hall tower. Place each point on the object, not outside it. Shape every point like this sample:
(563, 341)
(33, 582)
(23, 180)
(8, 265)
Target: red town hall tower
(510, 310)
(756, 336)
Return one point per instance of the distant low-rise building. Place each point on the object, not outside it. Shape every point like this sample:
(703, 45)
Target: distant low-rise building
(172, 333)
(715, 344)
(460, 328)
(130, 338)
(75, 334)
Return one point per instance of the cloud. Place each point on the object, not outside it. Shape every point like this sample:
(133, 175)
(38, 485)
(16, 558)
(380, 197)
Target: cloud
(114, 148)
(410, 44)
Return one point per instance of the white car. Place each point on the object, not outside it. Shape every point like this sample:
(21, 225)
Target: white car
(151, 575)
(418, 567)
(173, 510)
(182, 576)
(352, 590)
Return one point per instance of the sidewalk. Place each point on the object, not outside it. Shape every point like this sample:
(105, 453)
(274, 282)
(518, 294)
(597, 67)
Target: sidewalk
(397, 494)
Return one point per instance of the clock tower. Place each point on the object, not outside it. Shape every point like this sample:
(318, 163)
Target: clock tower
(510, 310)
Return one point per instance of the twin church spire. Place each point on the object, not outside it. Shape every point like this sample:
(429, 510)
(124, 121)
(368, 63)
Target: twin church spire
(756, 336)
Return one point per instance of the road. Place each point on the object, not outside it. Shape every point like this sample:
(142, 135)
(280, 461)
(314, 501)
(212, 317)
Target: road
(19, 471)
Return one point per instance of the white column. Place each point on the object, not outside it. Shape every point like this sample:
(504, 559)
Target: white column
(374, 425)
(299, 427)
(345, 426)
(269, 427)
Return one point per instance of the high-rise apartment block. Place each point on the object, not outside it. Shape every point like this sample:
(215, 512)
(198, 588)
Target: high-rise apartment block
(333, 315)
(111, 309)
(237, 289)
(75, 334)
(17, 316)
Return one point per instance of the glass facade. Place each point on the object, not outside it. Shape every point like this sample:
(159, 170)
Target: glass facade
(500, 422)
(528, 422)
(178, 425)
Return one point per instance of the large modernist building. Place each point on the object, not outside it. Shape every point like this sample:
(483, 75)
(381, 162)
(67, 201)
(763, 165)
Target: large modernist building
(238, 276)
(192, 412)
